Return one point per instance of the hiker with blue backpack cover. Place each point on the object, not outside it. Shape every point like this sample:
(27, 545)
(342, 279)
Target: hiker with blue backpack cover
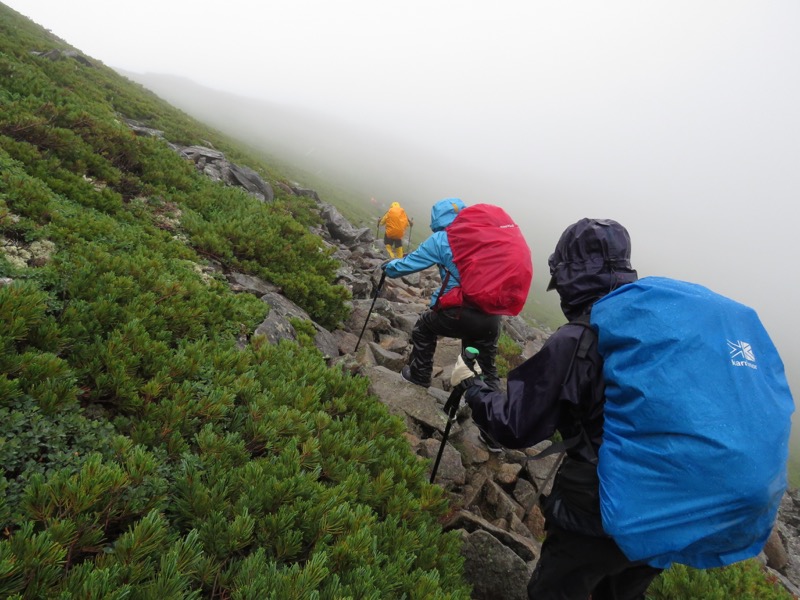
(674, 412)
(544, 395)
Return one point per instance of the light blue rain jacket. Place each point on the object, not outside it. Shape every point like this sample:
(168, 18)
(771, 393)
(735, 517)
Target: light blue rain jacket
(433, 251)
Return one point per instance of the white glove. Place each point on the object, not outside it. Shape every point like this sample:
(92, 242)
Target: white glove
(461, 371)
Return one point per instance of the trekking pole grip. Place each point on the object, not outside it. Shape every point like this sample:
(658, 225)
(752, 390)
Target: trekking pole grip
(469, 355)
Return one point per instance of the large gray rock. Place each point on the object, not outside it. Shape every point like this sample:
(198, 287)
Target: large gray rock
(386, 358)
(214, 164)
(493, 569)
(299, 190)
(248, 179)
(143, 130)
(240, 282)
(450, 472)
(340, 228)
(59, 54)
(525, 548)
(277, 326)
(421, 410)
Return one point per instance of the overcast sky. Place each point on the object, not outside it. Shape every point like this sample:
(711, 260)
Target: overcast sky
(678, 118)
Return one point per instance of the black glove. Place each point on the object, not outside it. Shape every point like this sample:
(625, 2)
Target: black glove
(463, 385)
(475, 390)
(384, 263)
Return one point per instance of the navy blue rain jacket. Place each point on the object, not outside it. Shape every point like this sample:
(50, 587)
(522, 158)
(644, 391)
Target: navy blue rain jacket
(541, 398)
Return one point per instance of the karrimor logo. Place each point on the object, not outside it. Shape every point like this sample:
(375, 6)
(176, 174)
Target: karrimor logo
(742, 354)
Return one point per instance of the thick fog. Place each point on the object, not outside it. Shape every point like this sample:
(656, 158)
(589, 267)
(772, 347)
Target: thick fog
(679, 118)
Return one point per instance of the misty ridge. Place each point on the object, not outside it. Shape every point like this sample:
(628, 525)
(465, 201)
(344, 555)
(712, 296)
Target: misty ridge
(380, 167)
(334, 152)
(328, 147)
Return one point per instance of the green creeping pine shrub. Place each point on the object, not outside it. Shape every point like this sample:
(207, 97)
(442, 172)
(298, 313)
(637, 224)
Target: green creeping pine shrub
(37, 443)
(508, 355)
(266, 241)
(322, 471)
(145, 454)
(305, 330)
(303, 485)
(743, 581)
(31, 198)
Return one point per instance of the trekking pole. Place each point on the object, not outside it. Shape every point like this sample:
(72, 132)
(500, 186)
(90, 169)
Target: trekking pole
(374, 298)
(451, 406)
(410, 227)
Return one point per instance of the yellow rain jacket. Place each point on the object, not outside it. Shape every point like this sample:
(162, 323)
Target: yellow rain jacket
(395, 220)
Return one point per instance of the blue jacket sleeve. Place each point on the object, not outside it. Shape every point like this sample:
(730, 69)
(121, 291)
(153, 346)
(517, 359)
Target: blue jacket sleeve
(426, 255)
(435, 251)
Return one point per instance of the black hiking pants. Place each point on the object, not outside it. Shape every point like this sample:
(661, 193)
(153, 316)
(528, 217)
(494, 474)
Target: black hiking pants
(574, 566)
(473, 327)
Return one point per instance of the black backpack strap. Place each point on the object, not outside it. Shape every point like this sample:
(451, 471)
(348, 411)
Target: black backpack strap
(585, 342)
(441, 289)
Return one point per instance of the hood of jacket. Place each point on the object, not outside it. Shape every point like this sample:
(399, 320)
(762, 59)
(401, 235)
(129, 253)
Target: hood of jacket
(591, 259)
(444, 212)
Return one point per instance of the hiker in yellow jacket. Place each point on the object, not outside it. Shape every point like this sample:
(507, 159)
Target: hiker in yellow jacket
(396, 222)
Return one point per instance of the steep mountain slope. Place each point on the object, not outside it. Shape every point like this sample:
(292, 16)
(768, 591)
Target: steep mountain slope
(146, 454)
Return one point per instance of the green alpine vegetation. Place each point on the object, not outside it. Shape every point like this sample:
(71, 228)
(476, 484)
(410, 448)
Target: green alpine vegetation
(147, 452)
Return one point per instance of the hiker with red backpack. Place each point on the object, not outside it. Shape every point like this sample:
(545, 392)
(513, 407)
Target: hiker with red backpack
(486, 271)
(674, 414)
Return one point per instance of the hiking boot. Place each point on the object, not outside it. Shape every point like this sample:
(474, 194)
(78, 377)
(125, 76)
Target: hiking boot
(491, 445)
(405, 373)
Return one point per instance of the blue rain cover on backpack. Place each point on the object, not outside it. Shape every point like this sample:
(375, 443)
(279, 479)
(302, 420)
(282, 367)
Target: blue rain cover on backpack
(697, 419)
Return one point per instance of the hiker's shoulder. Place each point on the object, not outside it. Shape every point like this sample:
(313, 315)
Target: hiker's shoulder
(570, 332)
(563, 339)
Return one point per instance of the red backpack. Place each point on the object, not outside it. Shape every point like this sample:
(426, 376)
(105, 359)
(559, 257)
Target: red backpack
(493, 260)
